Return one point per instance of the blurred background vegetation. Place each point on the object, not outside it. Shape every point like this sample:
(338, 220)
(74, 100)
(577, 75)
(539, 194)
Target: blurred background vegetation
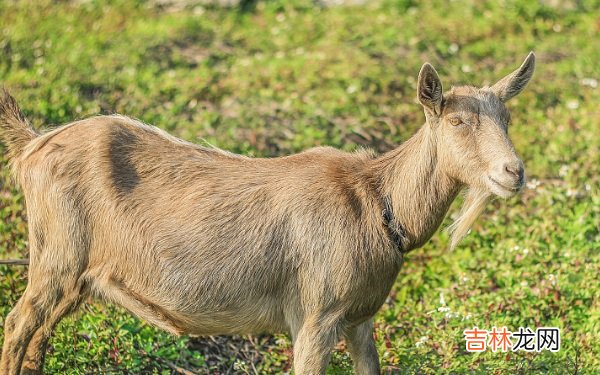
(273, 78)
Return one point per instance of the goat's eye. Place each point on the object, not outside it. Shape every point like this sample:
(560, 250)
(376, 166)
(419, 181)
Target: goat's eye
(455, 121)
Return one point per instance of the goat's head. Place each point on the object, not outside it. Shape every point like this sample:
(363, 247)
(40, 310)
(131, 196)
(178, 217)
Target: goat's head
(471, 129)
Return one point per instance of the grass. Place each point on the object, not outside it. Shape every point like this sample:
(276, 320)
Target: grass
(279, 77)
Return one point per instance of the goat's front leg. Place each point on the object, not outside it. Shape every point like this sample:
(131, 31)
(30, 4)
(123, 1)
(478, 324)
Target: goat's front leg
(313, 344)
(362, 348)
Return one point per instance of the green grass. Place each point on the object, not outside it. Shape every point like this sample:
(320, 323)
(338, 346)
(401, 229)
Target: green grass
(284, 76)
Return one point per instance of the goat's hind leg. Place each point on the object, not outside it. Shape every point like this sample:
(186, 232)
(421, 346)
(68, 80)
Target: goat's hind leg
(33, 362)
(54, 288)
(22, 322)
(40, 308)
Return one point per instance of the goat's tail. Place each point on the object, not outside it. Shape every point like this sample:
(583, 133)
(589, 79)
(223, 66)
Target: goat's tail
(15, 130)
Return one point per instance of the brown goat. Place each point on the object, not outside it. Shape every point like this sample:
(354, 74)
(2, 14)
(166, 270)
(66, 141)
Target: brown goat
(200, 241)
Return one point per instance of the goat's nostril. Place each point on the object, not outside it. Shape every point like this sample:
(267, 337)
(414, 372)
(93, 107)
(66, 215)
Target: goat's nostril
(515, 170)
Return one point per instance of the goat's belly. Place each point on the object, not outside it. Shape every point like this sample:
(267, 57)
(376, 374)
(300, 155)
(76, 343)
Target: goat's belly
(233, 309)
(178, 312)
(260, 317)
(185, 290)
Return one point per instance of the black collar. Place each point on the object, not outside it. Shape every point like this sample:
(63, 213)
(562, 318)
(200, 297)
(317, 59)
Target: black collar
(395, 230)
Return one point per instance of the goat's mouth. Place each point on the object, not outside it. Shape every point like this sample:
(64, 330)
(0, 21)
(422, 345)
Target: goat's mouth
(504, 190)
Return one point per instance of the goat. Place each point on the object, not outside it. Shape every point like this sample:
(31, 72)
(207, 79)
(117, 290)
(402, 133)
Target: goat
(196, 240)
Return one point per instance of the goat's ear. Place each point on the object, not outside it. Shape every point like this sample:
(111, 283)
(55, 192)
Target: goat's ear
(516, 81)
(429, 89)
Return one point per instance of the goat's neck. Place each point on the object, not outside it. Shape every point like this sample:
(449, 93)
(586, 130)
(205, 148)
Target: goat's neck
(418, 190)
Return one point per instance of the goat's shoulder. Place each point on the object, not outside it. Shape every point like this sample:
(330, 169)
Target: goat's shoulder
(331, 168)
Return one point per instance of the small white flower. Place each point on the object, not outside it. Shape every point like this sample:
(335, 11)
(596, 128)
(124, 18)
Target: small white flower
(533, 184)
(453, 48)
(239, 365)
(421, 341)
(573, 104)
(198, 11)
(591, 82)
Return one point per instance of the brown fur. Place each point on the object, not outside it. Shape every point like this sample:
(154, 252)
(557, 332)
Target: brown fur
(201, 241)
